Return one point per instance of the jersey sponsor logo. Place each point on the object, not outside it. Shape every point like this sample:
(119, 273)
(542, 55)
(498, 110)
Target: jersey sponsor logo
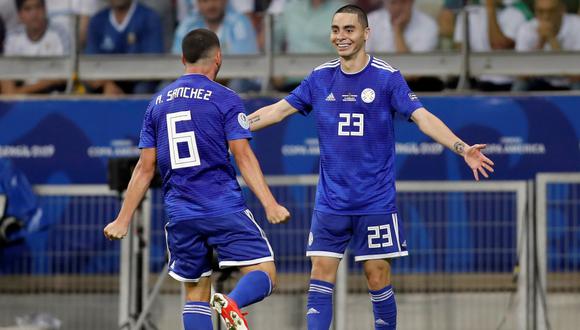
(381, 322)
(172, 265)
(310, 239)
(404, 244)
(413, 97)
(243, 121)
(367, 95)
(330, 98)
(349, 97)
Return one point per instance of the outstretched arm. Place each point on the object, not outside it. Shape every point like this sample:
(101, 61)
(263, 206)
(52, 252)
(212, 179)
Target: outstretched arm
(138, 185)
(270, 115)
(438, 131)
(252, 174)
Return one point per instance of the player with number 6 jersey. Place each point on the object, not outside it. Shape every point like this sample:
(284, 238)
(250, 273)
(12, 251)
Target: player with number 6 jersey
(187, 131)
(195, 116)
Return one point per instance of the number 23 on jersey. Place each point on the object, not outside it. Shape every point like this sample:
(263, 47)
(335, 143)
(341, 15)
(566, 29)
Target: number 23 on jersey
(351, 124)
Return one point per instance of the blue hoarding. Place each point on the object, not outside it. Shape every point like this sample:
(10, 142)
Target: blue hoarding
(69, 141)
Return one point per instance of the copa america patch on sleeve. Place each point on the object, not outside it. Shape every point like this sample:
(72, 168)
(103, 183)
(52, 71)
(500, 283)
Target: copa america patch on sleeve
(243, 121)
(413, 97)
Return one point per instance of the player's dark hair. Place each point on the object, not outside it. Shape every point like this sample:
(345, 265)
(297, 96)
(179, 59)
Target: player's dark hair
(358, 11)
(198, 43)
(20, 4)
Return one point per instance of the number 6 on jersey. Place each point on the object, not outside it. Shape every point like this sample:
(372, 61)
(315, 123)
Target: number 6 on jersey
(183, 137)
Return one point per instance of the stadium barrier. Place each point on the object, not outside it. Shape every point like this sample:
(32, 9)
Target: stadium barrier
(558, 242)
(468, 266)
(456, 262)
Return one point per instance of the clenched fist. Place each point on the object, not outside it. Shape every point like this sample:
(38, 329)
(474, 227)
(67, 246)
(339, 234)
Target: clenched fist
(116, 230)
(277, 214)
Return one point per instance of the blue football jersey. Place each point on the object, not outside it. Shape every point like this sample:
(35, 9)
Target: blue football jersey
(354, 118)
(141, 32)
(190, 123)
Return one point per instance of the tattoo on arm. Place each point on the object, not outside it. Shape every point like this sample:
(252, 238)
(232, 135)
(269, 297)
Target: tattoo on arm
(459, 147)
(255, 120)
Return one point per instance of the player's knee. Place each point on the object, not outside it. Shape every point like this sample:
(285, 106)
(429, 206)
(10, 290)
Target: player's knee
(198, 291)
(378, 276)
(323, 271)
(377, 281)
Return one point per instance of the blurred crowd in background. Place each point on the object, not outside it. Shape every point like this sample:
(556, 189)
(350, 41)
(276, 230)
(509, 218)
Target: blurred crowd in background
(61, 27)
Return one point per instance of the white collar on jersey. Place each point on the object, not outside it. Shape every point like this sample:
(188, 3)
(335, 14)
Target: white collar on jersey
(364, 67)
(120, 27)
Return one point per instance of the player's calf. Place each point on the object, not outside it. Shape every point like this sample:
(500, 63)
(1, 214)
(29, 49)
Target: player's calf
(197, 315)
(255, 285)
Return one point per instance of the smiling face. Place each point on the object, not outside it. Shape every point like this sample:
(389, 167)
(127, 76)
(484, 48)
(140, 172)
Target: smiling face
(348, 35)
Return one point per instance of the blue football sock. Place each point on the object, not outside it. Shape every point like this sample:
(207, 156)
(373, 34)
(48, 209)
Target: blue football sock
(319, 313)
(251, 288)
(197, 315)
(384, 308)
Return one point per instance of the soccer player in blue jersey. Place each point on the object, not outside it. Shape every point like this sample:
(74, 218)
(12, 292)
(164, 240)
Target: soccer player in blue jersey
(354, 99)
(187, 131)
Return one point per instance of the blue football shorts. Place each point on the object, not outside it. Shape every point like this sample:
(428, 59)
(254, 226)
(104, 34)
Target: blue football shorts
(373, 236)
(237, 238)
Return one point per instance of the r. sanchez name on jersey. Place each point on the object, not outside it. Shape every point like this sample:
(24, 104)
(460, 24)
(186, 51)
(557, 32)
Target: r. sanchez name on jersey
(354, 117)
(190, 123)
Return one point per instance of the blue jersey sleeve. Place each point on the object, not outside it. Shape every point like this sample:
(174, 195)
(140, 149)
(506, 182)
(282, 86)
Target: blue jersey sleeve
(148, 137)
(301, 97)
(403, 100)
(236, 123)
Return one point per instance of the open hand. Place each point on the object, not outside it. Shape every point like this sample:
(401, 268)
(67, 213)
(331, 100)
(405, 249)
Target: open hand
(477, 161)
(277, 214)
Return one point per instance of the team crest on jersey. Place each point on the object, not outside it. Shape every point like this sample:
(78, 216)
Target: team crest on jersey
(367, 95)
(243, 121)
(131, 38)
